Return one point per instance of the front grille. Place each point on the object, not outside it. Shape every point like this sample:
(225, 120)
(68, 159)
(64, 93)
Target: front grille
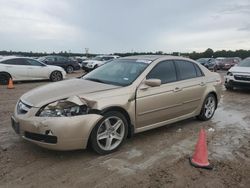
(22, 108)
(41, 137)
(242, 77)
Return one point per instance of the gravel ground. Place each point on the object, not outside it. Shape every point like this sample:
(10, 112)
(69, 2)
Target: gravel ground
(156, 158)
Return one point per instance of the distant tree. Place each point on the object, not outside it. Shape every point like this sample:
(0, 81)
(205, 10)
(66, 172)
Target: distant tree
(208, 53)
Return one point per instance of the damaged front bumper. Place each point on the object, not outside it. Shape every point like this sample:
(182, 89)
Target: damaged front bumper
(57, 133)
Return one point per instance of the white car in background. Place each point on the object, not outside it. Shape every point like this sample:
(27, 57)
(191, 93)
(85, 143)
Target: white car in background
(238, 76)
(97, 61)
(22, 68)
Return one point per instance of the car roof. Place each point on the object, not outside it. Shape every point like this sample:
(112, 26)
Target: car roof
(155, 57)
(12, 57)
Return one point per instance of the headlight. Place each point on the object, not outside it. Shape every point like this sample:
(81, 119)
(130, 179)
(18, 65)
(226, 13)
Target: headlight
(229, 74)
(63, 108)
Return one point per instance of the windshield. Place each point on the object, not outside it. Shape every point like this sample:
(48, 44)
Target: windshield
(117, 72)
(244, 63)
(41, 59)
(98, 58)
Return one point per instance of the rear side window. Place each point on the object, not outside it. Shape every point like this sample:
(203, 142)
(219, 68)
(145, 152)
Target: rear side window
(198, 70)
(186, 69)
(165, 71)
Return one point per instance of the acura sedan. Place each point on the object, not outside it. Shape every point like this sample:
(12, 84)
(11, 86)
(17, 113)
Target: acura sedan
(126, 96)
(22, 68)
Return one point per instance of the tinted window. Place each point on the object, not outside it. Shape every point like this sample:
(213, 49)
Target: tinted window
(50, 59)
(107, 58)
(186, 69)
(15, 62)
(33, 62)
(61, 59)
(198, 71)
(165, 71)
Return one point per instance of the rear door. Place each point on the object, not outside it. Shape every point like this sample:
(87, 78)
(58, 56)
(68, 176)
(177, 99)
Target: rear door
(192, 83)
(17, 68)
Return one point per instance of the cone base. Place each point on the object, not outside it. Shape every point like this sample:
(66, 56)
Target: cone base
(208, 167)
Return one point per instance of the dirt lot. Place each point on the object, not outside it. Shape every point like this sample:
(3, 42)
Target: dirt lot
(156, 158)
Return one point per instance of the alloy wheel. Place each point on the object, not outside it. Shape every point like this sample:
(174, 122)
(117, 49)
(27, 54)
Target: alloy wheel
(110, 133)
(209, 107)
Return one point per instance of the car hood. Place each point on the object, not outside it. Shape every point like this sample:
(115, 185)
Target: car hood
(240, 69)
(43, 95)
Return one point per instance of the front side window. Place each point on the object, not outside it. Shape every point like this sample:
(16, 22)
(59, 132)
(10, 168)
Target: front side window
(33, 62)
(50, 59)
(185, 69)
(61, 59)
(165, 71)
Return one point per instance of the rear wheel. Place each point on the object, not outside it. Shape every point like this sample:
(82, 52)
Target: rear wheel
(208, 108)
(56, 76)
(69, 69)
(109, 133)
(4, 78)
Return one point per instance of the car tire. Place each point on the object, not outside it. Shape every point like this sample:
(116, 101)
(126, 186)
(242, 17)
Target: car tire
(56, 76)
(4, 78)
(95, 67)
(208, 108)
(109, 133)
(69, 69)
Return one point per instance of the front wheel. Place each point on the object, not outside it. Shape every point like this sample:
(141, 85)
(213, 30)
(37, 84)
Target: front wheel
(109, 133)
(56, 76)
(208, 108)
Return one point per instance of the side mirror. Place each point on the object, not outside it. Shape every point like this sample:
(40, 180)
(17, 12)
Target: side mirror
(152, 82)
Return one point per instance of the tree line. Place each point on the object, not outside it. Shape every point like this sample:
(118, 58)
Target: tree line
(193, 55)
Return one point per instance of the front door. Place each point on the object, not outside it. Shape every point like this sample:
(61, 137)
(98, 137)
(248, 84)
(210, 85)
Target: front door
(158, 104)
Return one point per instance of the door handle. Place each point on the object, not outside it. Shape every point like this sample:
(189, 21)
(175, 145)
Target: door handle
(202, 84)
(177, 89)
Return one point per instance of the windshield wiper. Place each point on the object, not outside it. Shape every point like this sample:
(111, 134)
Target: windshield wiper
(95, 80)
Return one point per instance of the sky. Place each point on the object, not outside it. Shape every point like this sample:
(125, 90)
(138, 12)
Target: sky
(124, 25)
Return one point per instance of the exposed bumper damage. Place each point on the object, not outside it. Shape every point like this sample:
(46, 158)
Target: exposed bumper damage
(57, 133)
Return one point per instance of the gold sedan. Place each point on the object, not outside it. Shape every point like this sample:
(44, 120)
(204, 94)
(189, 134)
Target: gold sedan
(125, 96)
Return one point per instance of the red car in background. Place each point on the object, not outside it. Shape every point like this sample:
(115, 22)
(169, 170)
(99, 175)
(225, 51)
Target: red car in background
(224, 63)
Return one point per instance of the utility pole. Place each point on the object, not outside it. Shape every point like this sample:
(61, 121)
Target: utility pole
(86, 51)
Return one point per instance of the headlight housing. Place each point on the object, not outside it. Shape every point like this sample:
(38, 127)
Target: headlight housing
(63, 108)
(229, 74)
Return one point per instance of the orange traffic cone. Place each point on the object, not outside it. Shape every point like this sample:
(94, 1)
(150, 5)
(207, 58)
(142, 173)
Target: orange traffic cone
(10, 85)
(200, 157)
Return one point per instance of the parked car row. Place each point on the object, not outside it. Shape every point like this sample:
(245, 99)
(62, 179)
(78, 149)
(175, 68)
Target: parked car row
(220, 63)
